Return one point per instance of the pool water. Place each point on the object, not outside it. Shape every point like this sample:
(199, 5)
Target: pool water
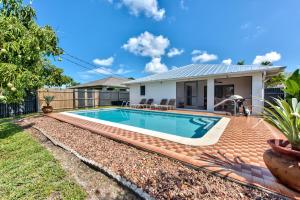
(189, 126)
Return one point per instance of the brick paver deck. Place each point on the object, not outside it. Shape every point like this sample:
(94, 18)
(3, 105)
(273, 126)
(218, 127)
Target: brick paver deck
(237, 155)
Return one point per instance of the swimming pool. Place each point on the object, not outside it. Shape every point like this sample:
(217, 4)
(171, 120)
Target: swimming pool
(182, 128)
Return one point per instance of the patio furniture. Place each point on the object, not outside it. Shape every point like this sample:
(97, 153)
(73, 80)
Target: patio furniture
(163, 102)
(170, 106)
(142, 102)
(148, 104)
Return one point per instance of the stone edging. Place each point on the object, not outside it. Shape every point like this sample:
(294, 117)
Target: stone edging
(131, 186)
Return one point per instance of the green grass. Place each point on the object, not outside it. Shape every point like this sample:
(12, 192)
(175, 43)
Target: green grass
(29, 171)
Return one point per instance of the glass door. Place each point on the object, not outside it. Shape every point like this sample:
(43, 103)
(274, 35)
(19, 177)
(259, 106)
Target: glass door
(191, 93)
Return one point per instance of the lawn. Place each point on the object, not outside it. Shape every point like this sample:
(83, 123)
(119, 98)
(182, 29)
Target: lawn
(28, 171)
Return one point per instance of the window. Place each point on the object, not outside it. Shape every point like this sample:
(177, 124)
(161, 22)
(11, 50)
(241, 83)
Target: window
(142, 90)
(224, 91)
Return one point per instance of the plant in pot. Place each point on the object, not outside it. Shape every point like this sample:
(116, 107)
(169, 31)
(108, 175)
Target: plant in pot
(284, 160)
(48, 109)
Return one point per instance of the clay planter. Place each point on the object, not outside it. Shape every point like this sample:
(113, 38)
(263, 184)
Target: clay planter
(47, 109)
(284, 163)
(284, 147)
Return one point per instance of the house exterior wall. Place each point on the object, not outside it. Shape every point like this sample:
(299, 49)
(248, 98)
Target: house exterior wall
(155, 90)
(249, 86)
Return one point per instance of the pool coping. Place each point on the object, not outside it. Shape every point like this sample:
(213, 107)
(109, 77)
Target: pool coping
(211, 137)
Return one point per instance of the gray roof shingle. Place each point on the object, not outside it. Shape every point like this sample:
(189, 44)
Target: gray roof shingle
(109, 82)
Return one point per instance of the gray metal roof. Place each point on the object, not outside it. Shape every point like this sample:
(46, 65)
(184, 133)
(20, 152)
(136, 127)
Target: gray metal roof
(205, 70)
(108, 82)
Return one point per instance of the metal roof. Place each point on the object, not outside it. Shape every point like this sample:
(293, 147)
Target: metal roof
(205, 70)
(108, 82)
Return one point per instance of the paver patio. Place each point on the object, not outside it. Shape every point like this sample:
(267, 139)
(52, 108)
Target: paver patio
(238, 154)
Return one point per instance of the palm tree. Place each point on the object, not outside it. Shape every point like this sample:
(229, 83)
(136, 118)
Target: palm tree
(241, 62)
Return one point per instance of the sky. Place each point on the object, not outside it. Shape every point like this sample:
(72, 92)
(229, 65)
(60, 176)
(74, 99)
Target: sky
(135, 38)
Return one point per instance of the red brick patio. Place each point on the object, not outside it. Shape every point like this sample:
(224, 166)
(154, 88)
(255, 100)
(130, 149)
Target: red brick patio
(237, 155)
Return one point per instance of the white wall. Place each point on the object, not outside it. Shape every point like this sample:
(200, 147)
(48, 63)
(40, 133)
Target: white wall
(242, 85)
(155, 90)
(257, 93)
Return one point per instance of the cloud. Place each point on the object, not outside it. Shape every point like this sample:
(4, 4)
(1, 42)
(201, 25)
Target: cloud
(149, 8)
(203, 56)
(104, 62)
(272, 56)
(147, 45)
(174, 52)
(108, 71)
(155, 66)
(182, 5)
(227, 61)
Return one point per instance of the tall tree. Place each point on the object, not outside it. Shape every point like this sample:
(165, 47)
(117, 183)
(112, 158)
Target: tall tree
(241, 62)
(25, 52)
(266, 63)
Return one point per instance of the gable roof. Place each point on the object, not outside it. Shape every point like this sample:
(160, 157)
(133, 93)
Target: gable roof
(206, 70)
(108, 82)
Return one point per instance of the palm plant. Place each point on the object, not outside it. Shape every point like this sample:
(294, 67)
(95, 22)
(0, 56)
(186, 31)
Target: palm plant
(48, 100)
(292, 85)
(286, 117)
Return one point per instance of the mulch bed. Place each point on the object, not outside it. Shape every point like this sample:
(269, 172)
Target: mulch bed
(159, 176)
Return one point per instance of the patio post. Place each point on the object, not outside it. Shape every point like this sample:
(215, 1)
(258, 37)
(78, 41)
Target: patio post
(210, 94)
(257, 94)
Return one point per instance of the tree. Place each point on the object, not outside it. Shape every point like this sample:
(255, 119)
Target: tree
(25, 49)
(241, 62)
(275, 80)
(266, 63)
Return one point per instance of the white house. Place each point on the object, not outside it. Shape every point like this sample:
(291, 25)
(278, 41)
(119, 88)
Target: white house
(201, 86)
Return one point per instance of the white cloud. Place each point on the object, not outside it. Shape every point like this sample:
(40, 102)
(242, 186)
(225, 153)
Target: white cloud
(108, 71)
(104, 62)
(203, 56)
(196, 51)
(182, 5)
(227, 61)
(272, 56)
(174, 52)
(147, 45)
(155, 66)
(149, 7)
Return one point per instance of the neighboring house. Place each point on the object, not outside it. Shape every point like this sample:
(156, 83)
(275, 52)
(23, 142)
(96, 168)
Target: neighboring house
(201, 86)
(106, 84)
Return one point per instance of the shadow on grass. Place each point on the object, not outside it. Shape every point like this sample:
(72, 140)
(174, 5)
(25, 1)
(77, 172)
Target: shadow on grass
(8, 128)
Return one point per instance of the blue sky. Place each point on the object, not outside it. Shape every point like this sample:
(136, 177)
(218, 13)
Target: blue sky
(135, 38)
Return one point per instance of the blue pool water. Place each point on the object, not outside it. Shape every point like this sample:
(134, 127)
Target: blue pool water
(190, 126)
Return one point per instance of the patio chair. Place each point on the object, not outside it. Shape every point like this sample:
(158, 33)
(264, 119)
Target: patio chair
(148, 104)
(163, 102)
(142, 102)
(170, 106)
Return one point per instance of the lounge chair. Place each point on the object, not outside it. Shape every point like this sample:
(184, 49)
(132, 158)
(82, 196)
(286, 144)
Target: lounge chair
(170, 105)
(163, 102)
(148, 104)
(142, 102)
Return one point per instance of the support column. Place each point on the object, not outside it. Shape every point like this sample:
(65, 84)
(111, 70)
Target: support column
(210, 94)
(257, 94)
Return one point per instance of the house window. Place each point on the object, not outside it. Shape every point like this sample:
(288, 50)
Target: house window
(224, 91)
(142, 90)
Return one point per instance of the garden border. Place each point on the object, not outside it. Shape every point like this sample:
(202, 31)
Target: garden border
(131, 186)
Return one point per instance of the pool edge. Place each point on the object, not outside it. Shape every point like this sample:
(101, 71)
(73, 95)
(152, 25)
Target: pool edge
(211, 137)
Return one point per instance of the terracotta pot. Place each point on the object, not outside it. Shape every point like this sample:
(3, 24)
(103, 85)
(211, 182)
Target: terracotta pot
(284, 147)
(285, 168)
(47, 109)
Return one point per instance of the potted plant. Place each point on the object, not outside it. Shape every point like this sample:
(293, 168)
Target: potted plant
(284, 160)
(48, 109)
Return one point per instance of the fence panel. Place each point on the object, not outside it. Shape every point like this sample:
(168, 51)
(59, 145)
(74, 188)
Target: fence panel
(28, 106)
(271, 93)
(80, 98)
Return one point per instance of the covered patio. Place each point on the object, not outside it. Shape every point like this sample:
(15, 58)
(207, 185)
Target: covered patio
(205, 94)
